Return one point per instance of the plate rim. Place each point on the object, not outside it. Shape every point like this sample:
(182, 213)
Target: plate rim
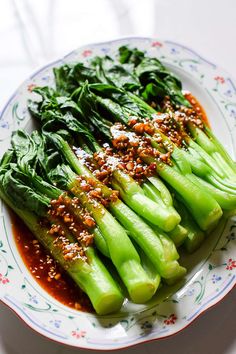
(4, 108)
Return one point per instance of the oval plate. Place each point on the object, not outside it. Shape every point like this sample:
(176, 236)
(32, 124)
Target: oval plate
(211, 270)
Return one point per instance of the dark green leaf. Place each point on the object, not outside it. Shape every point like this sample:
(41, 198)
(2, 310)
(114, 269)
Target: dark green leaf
(133, 56)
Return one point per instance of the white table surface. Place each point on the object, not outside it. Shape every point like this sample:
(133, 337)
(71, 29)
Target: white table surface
(35, 32)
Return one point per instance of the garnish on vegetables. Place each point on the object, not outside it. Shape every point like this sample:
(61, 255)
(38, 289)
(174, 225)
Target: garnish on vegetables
(122, 167)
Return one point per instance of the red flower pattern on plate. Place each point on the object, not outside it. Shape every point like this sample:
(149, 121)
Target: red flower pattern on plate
(3, 279)
(220, 79)
(231, 264)
(171, 319)
(157, 44)
(30, 87)
(87, 53)
(78, 334)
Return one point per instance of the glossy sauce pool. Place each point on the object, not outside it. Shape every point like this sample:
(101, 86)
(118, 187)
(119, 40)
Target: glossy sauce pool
(46, 271)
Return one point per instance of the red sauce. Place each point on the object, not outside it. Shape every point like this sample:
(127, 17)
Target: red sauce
(46, 271)
(197, 107)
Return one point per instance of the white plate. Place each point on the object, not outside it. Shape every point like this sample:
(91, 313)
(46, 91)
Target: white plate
(211, 270)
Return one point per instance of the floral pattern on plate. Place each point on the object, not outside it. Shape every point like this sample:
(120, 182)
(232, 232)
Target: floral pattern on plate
(212, 269)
